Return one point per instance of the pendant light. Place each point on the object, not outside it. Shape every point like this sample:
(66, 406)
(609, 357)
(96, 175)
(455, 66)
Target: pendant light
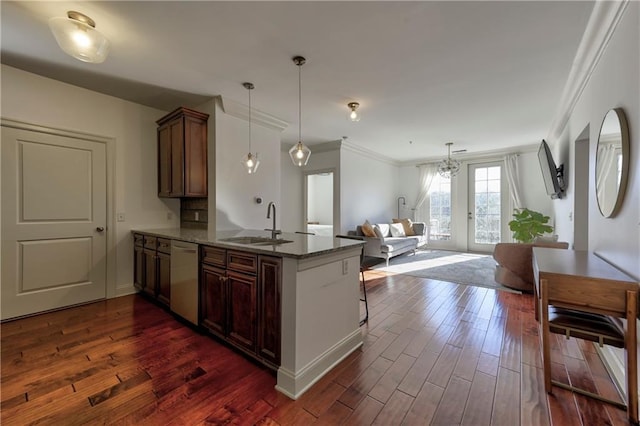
(250, 161)
(299, 153)
(77, 36)
(354, 115)
(449, 167)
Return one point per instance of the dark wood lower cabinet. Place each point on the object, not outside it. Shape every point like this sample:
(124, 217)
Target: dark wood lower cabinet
(240, 301)
(213, 299)
(242, 310)
(269, 288)
(164, 278)
(152, 267)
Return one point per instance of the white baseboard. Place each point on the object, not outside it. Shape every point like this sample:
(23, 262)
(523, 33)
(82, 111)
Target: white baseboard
(125, 291)
(294, 384)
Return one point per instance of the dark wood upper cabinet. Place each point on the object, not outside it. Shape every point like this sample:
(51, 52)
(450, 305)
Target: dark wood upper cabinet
(182, 154)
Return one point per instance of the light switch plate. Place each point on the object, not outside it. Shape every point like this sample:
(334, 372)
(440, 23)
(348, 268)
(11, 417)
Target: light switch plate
(120, 217)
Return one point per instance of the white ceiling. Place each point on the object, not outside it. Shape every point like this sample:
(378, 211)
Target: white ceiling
(485, 75)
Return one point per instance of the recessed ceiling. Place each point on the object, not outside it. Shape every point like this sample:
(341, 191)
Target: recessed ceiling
(485, 75)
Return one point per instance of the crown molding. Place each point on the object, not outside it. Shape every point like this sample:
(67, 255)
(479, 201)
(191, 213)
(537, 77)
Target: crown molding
(602, 24)
(241, 111)
(367, 153)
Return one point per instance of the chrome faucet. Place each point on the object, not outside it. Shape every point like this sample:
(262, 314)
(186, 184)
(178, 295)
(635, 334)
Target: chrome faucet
(274, 231)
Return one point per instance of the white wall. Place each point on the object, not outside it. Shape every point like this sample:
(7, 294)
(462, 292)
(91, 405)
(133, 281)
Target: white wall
(233, 204)
(292, 187)
(320, 198)
(369, 189)
(615, 82)
(41, 101)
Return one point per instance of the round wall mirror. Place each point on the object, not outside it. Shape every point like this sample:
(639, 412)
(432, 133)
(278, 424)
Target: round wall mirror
(612, 162)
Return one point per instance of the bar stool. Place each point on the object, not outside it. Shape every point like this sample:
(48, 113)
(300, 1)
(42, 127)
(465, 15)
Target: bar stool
(364, 284)
(596, 325)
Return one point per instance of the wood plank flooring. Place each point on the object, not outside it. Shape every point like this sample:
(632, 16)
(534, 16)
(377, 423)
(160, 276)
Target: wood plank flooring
(434, 353)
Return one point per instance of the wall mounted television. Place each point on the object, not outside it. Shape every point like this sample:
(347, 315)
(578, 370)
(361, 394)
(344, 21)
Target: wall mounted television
(553, 176)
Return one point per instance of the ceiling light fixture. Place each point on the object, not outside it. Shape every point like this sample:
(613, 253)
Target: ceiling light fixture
(354, 115)
(449, 168)
(299, 153)
(250, 161)
(78, 37)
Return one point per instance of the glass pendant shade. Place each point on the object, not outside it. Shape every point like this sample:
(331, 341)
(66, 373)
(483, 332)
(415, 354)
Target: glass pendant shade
(251, 162)
(300, 154)
(354, 115)
(76, 35)
(449, 167)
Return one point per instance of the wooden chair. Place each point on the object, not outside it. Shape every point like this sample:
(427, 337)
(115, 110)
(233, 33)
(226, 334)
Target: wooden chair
(597, 320)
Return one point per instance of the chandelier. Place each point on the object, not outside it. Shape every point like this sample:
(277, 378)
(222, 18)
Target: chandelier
(299, 153)
(449, 167)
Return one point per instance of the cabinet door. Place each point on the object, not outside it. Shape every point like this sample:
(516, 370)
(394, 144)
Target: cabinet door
(241, 326)
(213, 299)
(195, 157)
(138, 267)
(177, 157)
(269, 288)
(150, 275)
(164, 278)
(164, 161)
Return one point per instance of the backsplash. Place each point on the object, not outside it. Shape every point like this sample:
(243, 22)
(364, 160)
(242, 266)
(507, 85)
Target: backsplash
(194, 213)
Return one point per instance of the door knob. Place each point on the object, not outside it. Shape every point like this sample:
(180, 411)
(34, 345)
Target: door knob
(99, 229)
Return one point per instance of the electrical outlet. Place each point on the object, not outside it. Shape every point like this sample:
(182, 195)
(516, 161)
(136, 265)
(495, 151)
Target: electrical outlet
(345, 267)
(120, 217)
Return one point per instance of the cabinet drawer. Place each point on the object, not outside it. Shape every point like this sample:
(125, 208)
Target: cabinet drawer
(243, 262)
(164, 245)
(138, 240)
(150, 242)
(214, 256)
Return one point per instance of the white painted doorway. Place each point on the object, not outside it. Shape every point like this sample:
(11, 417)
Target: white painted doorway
(487, 206)
(320, 203)
(54, 205)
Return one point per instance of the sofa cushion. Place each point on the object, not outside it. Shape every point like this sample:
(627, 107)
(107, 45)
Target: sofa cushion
(397, 230)
(384, 230)
(407, 225)
(367, 229)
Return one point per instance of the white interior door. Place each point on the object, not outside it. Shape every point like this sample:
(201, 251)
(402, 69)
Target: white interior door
(53, 221)
(487, 206)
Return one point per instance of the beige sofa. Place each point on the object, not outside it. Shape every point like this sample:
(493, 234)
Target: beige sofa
(515, 267)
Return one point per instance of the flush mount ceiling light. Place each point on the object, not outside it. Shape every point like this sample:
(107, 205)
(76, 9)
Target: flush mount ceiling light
(299, 153)
(250, 161)
(354, 115)
(449, 167)
(78, 37)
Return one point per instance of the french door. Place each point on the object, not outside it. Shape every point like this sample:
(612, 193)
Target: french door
(487, 214)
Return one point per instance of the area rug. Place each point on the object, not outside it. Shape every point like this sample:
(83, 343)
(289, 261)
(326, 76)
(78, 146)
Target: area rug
(451, 266)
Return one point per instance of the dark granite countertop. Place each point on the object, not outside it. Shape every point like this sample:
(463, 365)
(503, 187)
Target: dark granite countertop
(301, 246)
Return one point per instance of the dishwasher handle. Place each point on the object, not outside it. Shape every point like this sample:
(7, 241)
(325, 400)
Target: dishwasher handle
(183, 249)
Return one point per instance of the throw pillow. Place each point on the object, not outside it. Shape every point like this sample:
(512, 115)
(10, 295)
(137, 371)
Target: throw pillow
(407, 224)
(397, 230)
(367, 229)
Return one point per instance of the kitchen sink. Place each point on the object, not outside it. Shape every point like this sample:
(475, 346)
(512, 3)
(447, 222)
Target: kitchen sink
(258, 241)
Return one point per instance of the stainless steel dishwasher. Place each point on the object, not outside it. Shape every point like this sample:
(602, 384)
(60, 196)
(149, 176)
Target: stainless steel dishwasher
(184, 280)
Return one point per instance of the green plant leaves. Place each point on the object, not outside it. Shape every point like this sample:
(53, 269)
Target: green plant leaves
(528, 224)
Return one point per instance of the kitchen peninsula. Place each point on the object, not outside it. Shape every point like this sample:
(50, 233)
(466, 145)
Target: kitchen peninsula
(291, 303)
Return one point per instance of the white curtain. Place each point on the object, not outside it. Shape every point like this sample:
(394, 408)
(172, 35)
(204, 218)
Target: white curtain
(427, 172)
(513, 179)
(605, 160)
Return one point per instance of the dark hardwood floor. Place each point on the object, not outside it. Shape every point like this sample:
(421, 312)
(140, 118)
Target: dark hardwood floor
(434, 353)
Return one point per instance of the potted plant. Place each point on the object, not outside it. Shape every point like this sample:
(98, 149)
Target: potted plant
(528, 224)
